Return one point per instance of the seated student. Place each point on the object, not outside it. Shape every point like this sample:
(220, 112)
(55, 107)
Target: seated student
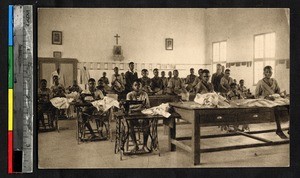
(197, 79)
(57, 89)
(204, 86)
(92, 93)
(234, 93)
(225, 82)
(117, 83)
(190, 79)
(145, 81)
(101, 86)
(156, 83)
(75, 87)
(169, 77)
(104, 78)
(176, 85)
(265, 88)
(246, 92)
(138, 95)
(43, 100)
(164, 80)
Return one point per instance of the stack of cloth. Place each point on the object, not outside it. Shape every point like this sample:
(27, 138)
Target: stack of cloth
(162, 109)
(105, 104)
(61, 102)
(211, 100)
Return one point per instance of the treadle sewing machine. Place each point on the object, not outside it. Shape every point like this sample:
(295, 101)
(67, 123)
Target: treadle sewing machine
(123, 117)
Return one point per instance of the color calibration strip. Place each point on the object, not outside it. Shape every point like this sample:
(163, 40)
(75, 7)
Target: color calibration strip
(10, 88)
(20, 92)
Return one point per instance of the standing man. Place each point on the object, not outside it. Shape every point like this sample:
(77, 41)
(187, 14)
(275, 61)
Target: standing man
(130, 76)
(216, 78)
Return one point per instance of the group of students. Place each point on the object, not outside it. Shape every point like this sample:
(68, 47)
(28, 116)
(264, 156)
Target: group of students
(135, 88)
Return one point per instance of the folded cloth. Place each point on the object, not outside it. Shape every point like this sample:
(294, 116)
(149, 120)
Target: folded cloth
(210, 100)
(61, 102)
(105, 104)
(158, 110)
(75, 95)
(262, 102)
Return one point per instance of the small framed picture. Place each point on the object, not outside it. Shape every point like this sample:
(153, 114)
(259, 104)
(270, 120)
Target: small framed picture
(117, 50)
(56, 54)
(57, 37)
(169, 44)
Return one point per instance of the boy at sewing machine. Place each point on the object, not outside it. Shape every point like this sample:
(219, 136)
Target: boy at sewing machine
(57, 89)
(43, 100)
(234, 93)
(156, 83)
(145, 81)
(176, 85)
(91, 94)
(266, 88)
(138, 95)
(204, 86)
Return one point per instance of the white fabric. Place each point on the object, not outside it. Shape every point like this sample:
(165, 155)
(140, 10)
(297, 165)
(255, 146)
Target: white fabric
(211, 100)
(75, 95)
(105, 104)
(61, 102)
(158, 110)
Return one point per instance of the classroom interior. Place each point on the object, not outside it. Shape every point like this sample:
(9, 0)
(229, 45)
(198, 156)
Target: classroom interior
(244, 40)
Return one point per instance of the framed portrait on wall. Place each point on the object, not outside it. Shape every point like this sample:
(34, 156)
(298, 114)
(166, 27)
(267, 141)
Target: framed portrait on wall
(57, 37)
(56, 54)
(169, 43)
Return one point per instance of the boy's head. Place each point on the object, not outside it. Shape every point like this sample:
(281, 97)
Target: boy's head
(268, 72)
(170, 73)
(175, 73)
(136, 85)
(200, 72)
(131, 66)
(219, 68)
(192, 71)
(91, 83)
(100, 82)
(233, 86)
(144, 72)
(205, 75)
(241, 82)
(155, 72)
(162, 73)
(55, 79)
(104, 74)
(227, 73)
(43, 83)
(116, 70)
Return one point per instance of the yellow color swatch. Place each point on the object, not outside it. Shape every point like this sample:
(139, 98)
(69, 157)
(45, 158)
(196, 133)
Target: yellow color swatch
(10, 109)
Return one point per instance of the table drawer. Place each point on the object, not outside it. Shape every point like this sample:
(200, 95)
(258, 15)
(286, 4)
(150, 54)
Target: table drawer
(218, 119)
(255, 117)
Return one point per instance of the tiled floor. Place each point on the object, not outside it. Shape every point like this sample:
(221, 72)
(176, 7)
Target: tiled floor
(60, 150)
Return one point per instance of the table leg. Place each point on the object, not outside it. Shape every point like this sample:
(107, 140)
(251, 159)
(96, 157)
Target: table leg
(171, 134)
(196, 140)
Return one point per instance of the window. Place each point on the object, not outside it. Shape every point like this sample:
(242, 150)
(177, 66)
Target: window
(219, 54)
(264, 54)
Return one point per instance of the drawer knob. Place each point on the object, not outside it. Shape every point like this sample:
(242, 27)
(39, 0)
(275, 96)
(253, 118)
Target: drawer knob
(255, 115)
(219, 117)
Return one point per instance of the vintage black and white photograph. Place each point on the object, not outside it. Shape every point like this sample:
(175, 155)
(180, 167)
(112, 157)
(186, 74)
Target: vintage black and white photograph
(122, 97)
